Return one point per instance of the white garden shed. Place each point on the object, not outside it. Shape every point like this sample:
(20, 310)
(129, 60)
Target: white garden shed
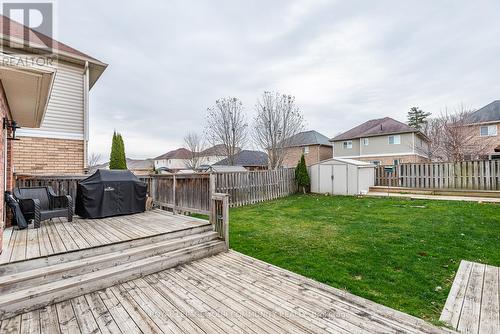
(339, 176)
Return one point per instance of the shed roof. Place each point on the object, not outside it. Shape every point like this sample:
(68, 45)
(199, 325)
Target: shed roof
(349, 162)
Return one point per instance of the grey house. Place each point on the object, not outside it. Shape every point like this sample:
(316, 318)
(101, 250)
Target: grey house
(382, 141)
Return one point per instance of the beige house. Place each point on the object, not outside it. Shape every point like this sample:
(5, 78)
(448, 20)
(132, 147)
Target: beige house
(59, 144)
(312, 144)
(486, 126)
(383, 141)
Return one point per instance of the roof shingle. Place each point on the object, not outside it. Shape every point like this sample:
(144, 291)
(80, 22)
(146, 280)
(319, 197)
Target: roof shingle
(375, 127)
(488, 113)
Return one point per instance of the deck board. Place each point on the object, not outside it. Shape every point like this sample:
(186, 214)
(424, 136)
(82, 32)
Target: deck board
(473, 305)
(59, 236)
(225, 293)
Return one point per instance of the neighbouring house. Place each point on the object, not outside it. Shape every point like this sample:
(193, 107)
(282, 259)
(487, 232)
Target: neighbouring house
(383, 141)
(315, 146)
(250, 160)
(136, 166)
(211, 155)
(486, 122)
(173, 160)
(55, 141)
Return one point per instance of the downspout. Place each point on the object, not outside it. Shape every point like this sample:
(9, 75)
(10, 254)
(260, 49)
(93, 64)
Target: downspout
(85, 114)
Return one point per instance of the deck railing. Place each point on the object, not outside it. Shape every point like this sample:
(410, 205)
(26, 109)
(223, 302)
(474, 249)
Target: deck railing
(219, 216)
(190, 192)
(473, 175)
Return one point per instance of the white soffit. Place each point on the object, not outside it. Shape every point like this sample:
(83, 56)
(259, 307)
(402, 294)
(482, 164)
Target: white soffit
(27, 89)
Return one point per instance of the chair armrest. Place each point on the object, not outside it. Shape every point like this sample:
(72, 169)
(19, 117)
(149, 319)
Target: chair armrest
(28, 204)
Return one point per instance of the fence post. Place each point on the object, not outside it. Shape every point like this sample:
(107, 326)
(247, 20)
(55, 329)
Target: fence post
(219, 216)
(174, 184)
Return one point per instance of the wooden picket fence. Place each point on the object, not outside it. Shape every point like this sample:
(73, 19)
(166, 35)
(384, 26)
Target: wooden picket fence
(257, 186)
(191, 192)
(474, 175)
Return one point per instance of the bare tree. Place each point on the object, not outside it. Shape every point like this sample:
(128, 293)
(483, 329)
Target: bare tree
(226, 125)
(195, 144)
(278, 120)
(93, 160)
(454, 138)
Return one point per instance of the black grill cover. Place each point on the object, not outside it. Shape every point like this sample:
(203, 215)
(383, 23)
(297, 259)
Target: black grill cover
(109, 193)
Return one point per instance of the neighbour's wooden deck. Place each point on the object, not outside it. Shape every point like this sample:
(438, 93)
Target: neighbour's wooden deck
(225, 293)
(473, 305)
(60, 236)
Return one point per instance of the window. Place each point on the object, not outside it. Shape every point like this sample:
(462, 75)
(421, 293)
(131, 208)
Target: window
(375, 162)
(395, 140)
(366, 141)
(488, 130)
(347, 145)
(306, 149)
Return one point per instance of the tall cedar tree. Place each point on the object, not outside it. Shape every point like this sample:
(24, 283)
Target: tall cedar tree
(117, 158)
(417, 117)
(301, 175)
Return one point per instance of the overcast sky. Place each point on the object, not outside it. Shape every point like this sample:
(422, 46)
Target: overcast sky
(344, 61)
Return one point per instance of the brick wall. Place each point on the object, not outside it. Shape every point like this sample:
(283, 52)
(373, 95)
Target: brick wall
(33, 155)
(316, 153)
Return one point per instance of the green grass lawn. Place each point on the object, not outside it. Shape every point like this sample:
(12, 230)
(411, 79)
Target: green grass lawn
(397, 252)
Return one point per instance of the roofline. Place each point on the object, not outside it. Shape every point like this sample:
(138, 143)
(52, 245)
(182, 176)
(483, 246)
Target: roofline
(376, 135)
(316, 144)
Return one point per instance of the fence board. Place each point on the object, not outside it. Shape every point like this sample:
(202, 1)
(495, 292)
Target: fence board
(477, 175)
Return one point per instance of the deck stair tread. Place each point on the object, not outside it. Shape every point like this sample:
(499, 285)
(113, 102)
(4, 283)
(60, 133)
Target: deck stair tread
(89, 264)
(473, 304)
(38, 282)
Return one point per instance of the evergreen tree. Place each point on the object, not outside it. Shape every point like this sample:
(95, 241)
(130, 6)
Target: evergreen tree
(417, 117)
(117, 158)
(301, 175)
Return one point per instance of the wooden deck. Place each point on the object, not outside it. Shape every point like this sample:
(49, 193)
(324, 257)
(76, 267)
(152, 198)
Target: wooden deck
(473, 305)
(225, 293)
(60, 236)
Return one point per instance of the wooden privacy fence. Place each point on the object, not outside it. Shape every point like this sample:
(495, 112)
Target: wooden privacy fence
(258, 186)
(191, 192)
(476, 175)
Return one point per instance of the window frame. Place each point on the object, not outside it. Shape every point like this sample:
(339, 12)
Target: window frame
(305, 150)
(488, 128)
(394, 139)
(347, 145)
(366, 141)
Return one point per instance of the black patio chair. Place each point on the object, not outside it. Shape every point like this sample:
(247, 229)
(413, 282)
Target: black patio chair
(41, 203)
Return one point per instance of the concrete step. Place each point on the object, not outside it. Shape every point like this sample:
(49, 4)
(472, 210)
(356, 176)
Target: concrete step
(68, 269)
(39, 295)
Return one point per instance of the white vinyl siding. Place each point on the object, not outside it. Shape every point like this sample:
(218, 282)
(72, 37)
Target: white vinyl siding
(64, 117)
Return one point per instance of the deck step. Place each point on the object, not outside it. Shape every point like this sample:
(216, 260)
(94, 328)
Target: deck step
(31, 284)
(40, 262)
(65, 270)
(33, 297)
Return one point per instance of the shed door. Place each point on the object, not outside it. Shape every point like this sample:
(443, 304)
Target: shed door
(325, 179)
(340, 179)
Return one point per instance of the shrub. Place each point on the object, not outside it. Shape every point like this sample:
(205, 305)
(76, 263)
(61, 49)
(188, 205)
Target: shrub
(301, 175)
(117, 158)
